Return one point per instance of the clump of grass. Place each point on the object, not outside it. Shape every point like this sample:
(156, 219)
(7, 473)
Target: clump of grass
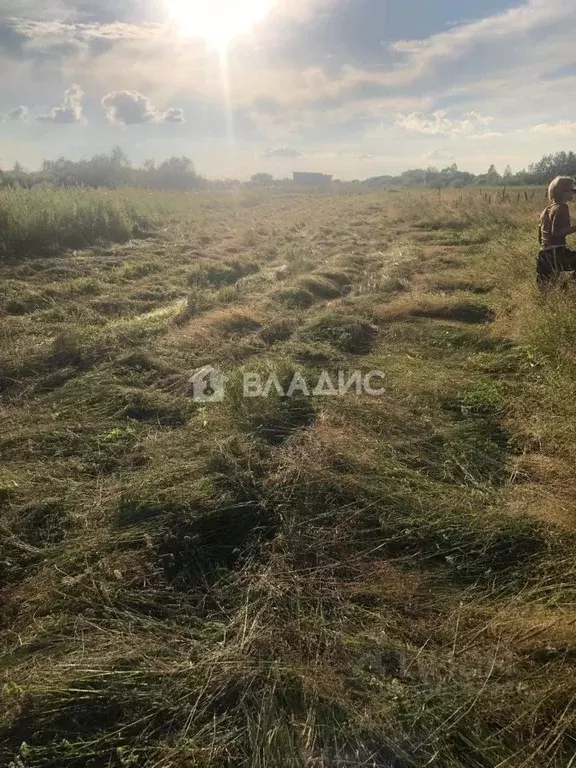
(215, 273)
(137, 269)
(461, 308)
(197, 302)
(321, 287)
(314, 354)
(274, 416)
(147, 405)
(486, 397)
(44, 523)
(349, 333)
(238, 322)
(31, 300)
(341, 277)
(46, 217)
(71, 349)
(456, 284)
(295, 298)
(278, 331)
(298, 258)
(28, 301)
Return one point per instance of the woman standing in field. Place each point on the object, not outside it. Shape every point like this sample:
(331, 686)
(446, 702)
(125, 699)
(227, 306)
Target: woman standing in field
(555, 225)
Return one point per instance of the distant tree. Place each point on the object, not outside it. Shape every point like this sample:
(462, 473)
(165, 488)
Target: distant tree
(101, 170)
(175, 173)
(263, 179)
(380, 182)
(493, 174)
(107, 170)
(490, 178)
(457, 178)
(550, 166)
(119, 158)
(432, 177)
(414, 178)
(19, 177)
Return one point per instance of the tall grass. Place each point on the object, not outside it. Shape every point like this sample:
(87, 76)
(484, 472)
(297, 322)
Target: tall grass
(48, 217)
(540, 325)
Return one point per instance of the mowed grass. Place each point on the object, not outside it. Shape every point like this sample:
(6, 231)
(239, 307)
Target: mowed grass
(315, 582)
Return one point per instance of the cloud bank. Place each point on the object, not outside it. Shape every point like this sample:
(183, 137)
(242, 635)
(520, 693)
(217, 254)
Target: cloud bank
(439, 124)
(355, 79)
(132, 108)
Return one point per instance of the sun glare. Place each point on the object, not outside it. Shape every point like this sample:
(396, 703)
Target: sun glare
(217, 21)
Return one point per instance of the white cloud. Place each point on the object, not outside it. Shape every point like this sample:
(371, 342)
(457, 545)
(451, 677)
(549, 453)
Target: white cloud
(486, 135)
(70, 111)
(439, 124)
(499, 31)
(173, 115)
(286, 152)
(132, 108)
(563, 127)
(20, 113)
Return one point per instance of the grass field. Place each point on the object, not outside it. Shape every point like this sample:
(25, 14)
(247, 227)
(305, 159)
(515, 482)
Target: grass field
(285, 582)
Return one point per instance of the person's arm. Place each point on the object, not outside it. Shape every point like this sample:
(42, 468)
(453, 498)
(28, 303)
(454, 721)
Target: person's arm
(562, 231)
(561, 223)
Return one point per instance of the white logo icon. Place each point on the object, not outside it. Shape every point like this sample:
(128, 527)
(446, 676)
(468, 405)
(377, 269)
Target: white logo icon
(208, 385)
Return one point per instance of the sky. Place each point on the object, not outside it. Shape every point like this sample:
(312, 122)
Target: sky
(354, 88)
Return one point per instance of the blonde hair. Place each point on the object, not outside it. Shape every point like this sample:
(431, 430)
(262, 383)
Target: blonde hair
(559, 187)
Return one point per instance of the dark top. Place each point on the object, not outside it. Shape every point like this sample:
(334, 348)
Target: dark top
(553, 219)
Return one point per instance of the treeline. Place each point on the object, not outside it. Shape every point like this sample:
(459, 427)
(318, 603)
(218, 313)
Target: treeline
(112, 170)
(541, 172)
(115, 170)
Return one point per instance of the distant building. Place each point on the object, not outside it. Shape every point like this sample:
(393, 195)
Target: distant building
(312, 179)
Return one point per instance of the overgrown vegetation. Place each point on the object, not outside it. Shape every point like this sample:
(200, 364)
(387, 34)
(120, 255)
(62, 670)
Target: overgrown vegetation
(46, 218)
(301, 582)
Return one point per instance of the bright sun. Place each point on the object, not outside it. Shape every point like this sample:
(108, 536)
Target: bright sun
(217, 21)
